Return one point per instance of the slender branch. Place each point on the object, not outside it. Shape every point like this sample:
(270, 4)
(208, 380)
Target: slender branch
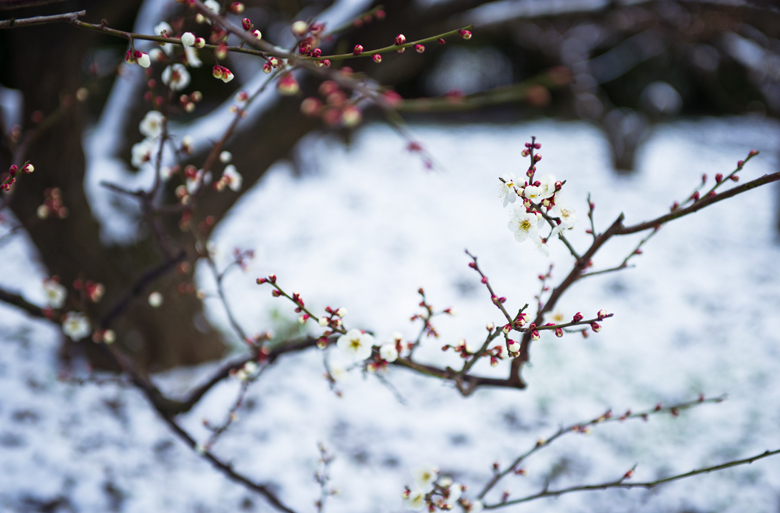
(700, 204)
(19, 302)
(583, 427)
(391, 48)
(41, 20)
(622, 483)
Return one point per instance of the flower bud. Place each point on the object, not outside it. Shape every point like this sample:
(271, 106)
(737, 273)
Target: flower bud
(419, 48)
(400, 39)
(357, 50)
(299, 28)
(188, 39)
(377, 58)
(257, 34)
(341, 312)
(577, 317)
(246, 24)
(465, 34)
(596, 327)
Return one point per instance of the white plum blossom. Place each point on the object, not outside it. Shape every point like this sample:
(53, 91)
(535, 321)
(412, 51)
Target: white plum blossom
(506, 189)
(142, 152)
(524, 224)
(388, 353)
(476, 507)
(338, 371)
(425, 476)
(547, 186)
(194, 182)
(565, 213)
(152, 124)
(232, 177)
(188, 39)
(176, 77)
(246, 372)
(156, 55)
(213, 5)
(76, 325)
(143, 60)
(356, 345)
(191, 55)
(415, 501)
(163, 29)
(557, 316)
(55, 293)
(455, 493)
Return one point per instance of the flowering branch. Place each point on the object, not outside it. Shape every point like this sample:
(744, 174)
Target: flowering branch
(622, 483)
(584, 427)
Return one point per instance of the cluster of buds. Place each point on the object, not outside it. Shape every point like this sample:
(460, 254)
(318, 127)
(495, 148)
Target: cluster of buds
(138, 57)
(10, 180)
(93, 290)
(52, 205)
(246, 372)
(188, 101)
(336, 109)
(272, 63)
(222, 73)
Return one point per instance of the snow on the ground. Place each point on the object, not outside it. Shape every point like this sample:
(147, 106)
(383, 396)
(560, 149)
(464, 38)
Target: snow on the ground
(368, 228)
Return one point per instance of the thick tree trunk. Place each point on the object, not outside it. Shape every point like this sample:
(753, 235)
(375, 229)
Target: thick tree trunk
(46, 63)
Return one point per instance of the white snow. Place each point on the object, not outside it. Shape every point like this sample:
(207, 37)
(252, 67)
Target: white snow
(697, 315)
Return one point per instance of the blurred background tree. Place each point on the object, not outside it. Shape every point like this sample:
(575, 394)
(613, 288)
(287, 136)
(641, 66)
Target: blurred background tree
(627, 66)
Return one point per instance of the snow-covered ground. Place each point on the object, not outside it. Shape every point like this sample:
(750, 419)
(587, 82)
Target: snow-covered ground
(364, 229)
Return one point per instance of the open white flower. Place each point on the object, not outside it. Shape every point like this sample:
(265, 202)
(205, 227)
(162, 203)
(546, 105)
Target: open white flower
(415, 501)
(455, 493)
(476, 507)
(191, 55)
(557, 316)
(523, 224)
(152, 124)
(232, 177)
(55, 293)
(547, 187)
(388, 353)
(356, 345)
(565, 213)
(425, 476)
(506, 189)
(163, 29)
(176, 77)
(142, 152)
(76, 326)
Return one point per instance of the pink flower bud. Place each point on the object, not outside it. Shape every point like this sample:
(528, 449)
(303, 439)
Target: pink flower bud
(558, 332)
(287, 85)
(577, 317)
(377, 58)
(465, 34)
(601, 314)
(400, 39)
(246, 24)
(719, 177)
(596, 327)
(419, 48)
(535, 335)
(357, 50)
